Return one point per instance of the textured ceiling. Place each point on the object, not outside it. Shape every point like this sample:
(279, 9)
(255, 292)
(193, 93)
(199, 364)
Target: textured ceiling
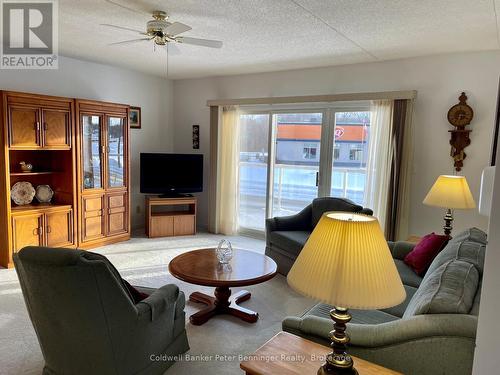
(270, 35)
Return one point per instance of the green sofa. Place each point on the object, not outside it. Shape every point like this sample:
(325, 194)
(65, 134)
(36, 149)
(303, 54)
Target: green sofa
(85, 318)
(433, 331)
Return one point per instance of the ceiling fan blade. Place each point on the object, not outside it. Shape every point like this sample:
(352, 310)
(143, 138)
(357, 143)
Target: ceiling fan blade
(130, 41)
(176, 28)
(123, 28)
(199, 42)
(118, 4)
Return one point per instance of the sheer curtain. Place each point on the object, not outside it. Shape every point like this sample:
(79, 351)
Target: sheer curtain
(227, 191)
(380, 158)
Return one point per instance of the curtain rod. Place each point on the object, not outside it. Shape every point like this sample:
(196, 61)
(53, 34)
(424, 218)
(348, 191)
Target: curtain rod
(317, 98)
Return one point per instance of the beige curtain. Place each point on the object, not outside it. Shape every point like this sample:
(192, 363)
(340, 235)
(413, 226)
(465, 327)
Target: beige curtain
(228, 179)
(381, 151)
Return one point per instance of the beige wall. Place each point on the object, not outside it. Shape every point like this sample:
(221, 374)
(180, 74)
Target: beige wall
(82, 79)
(438, 79)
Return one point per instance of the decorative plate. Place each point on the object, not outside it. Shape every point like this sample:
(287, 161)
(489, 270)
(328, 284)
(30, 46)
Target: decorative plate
(44, 193)
(22, 193)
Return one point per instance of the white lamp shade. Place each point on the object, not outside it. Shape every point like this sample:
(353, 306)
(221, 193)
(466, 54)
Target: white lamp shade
(450, 192)
(487, 180)
(346, 263)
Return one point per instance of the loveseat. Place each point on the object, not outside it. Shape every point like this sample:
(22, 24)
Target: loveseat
(286, 236)
(433, 331)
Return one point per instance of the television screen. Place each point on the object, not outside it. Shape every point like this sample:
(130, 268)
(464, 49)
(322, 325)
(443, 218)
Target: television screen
(171, 174)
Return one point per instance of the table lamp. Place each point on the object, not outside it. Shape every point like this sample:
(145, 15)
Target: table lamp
(450, 192)
(346, 263)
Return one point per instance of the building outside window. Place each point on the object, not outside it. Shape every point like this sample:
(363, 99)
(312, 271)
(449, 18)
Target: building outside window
(356, 153)
(336, 153)
(310, 151)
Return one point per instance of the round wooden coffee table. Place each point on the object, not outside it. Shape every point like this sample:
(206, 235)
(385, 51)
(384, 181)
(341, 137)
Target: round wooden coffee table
(201, 267)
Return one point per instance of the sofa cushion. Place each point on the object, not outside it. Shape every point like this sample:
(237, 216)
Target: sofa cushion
(468, 251)
(471, 234)
(400, 309)
(408, 276)
(422, 255)
(325, 204)
(450, 289)
(322, 310)
(292, 241)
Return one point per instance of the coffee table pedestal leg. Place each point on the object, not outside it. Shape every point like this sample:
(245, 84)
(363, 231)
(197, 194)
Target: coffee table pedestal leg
(221, 304)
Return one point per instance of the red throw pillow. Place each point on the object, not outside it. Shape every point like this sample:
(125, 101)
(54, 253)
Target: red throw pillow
(422, 255)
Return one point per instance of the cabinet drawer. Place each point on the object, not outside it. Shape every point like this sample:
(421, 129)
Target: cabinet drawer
(92, 218)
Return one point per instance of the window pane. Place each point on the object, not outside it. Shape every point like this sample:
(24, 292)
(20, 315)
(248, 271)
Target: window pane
(352, 130)
(254, 135)
(297, 161)
(116, 169)
(91, 152)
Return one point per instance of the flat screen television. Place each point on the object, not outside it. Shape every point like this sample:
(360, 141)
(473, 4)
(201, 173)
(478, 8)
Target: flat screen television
(171, 174)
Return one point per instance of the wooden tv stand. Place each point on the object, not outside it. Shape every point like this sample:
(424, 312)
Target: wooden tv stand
(167, 217)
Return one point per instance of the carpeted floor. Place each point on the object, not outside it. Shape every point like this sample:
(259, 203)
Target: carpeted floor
(144, 262)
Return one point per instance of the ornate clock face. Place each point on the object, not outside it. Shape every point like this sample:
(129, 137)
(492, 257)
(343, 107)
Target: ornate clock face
(460, 115)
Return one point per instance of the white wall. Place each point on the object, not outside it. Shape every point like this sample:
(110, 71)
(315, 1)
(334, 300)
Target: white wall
(439, 81)
(486, 358)
(82, 79)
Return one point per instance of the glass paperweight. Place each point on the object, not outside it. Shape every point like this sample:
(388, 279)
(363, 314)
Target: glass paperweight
(224, 251)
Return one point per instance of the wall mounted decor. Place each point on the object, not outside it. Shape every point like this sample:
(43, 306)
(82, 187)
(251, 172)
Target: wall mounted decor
(135, 118)
(196, 137)
(460, 115)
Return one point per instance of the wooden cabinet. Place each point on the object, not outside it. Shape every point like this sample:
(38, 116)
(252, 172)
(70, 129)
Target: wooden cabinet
(117, 214)
(92, 217)
(39, 122)
(80, 149)
(59, 228)
(103, 170)
(170, 216)
(24, 127)
(27, 230)
(56, 127)
(47, 226)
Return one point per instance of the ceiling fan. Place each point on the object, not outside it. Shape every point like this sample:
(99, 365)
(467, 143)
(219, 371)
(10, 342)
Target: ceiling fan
(161, 31)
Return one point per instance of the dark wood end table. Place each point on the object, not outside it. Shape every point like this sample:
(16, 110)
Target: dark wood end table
(287, 354)
(201, 267)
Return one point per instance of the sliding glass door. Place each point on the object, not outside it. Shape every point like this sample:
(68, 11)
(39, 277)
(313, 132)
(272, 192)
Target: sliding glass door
(295, 168)
(290, 157)
(253, 170)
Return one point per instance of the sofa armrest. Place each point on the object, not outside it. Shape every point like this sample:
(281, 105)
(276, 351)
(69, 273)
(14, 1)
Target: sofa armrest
(390, 333)
(299, 221)
(400, 249)
(168, 296)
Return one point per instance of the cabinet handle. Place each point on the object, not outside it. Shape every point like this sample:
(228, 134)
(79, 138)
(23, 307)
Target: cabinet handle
(45, 126)
(49, 229)
(36, 232)
(37, 126)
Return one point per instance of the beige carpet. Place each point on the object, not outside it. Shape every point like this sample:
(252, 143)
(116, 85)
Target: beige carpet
(144, 262)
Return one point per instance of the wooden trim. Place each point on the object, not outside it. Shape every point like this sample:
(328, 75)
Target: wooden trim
(316, 98)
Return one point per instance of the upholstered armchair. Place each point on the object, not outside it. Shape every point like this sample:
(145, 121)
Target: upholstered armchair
(86, 319)
(287, 235)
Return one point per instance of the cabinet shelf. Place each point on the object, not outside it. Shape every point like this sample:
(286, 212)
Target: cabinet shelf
(39, 206)
(33, 173)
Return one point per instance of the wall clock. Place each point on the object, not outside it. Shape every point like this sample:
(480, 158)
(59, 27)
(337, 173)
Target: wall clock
(460, 115)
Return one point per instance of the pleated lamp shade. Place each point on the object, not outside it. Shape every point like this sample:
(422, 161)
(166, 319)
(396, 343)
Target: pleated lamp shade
(346, 263)
(450, 192)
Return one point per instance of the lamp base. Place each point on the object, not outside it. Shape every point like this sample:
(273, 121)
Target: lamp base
(326, 370)
(448, 220)
(338, 362)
